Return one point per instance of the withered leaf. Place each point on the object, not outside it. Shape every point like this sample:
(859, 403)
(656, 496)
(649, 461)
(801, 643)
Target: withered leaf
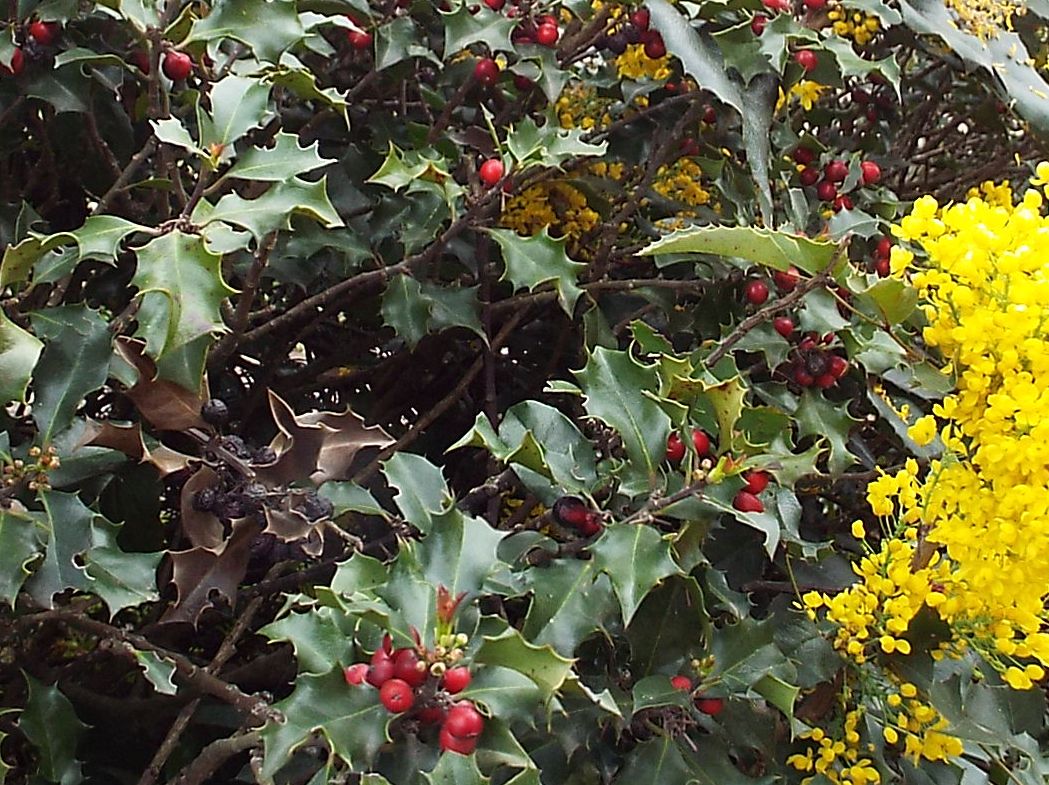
(165, 404)
(203, 529)
(130, 440)
(289, 525)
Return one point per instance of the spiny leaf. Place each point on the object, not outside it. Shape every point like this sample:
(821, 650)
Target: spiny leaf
(278, 163)
(158, 671)
(18, 548)
(778, 250)
(636, 559)
(531, 261)
(456, 770)
(52, 727)
(238, 104)
(166, 405)
(239, 20)
(541, 664)
(274, 209)
(19, 351)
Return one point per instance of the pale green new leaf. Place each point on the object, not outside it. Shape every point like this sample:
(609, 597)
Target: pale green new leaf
(238, 104)
(778, 250)
(19, 351)
(273, 210)
(281, 162)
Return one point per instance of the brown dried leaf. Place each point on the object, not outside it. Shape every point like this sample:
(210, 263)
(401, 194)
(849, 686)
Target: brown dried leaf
(351, 435)
(289, 525)
(166, 405)
(126, 439)
(203, 529)
(199, 572)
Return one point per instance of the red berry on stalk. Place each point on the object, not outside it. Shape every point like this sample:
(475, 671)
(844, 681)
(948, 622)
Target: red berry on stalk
(804, 155)
(591, 524)
(486, 71)
(786, 280)
(450, 743)
(683, 683)
(711, 706)
(546, 35)
(44, 33)
(140, 60)
(456, 679)
(842, 202)
(675, 448)
(464, 721)
(776, 5)
(756, 291)
(784, 325)
(803, 377)
(177, 66)
(570, 511)
(654, 47)
(809, 175)
(837, 366)
(746, 501)
(836, 171)
(807, 59)
(359, 39)
(710, 116)
(827, 191)
(354, 674)
(641, 18)
(381, 669)
(825, 381)
(757, 24)
(546, 19)
(756, 480)
(495, 5)
(881, 266)
(397, 696)
(406, 667)
(523, 83)
(870, 172)
(491, 171)
(701, 442)
(884, 247)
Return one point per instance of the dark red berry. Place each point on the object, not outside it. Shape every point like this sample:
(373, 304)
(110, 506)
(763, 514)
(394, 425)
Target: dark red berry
(177, 66)
(786, 280)
(591, 524)
(826, 380)
(381, 669)
(397, 696)
(836, 171)
(140, 60)
(807, 59)
(406, 667)
(523, 83)
(655, 48)
(815, 5)
(683, 683)
(711, 706)
(675, 448)
(884, 247)
(464, 721)
(870, 172)
(450, 743)
(756, 291)
(757, 24)
(881, 266)
(837, 366)
(842, 202)
(546, 35)
(431, 715)
(44, 33)
(571, 511)
(746, 501)
(355, 674)
(486, 71)
(701, 442)
(827, 191)
(641, 19)
(803, 377)
(495, 5)
(804, 155)
(809, 175)
(710, 116)
(756, 480)
(784, 325)
(456, 679)
(359, 39)
(491, 171)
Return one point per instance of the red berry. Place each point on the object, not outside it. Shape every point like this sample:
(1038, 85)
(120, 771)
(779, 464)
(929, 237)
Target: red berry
(786, 280)
(570, 511)
(486, 71)
(359, 39)
(546, 19)
(776, 5)
(456, 679)
(825, 381)
(641, 18)
(683, 683)
(870, 172)
(355, 674)
(837, 366)
(546, 35)
(747, 502)
(884, 247)
(881, 266)
(655, 48)
(397, 696)
(756, 292)
(591, 524)
(827, 191)
(701, 442)
(177, 66)
(815, 5)
(710, 116)
(804, 155)
(140, 60)
(711, 706)
(406, 667)
(807, 59)
(757, 24)
(836, 171)
(803, 377)
(381, 669)
(756, 480)
(495, 5)
(842, 202)
(809, 175)
(44, 33)
(675, 448)
(450, 743)
(491, 171)
(523, 83)
(464, 721)
(784, 325)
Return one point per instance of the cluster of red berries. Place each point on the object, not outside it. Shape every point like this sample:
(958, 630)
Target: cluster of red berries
(882, 250)
(834, 173)
(707, 705)
(407, 681)
(542, 29)
(756, 290)
(573, 512)
(676, 447)
(813, 362)
(756, 481)
(634, 29)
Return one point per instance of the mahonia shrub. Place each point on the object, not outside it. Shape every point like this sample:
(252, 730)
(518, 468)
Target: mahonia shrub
(547, 393)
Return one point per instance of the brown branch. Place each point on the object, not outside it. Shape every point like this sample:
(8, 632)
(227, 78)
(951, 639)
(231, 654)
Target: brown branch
(125, 175)
(239, 322)
(214, 755)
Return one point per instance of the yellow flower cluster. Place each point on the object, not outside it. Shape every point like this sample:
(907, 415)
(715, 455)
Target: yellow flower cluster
(841, 759)
(681, 182)
(635, 64)
(579, 106)
(805, 92)
(554, 204)
(986, 18)
(919, 725)
(858, 26)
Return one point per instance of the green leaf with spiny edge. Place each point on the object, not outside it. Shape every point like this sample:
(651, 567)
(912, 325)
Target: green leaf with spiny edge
(531, 261)
(19, 258)
(19, 546)
(158, 671)
(238, 104)
(170, 130)
(888, 300)
(541, 664)
(320, 643)
(359, 573)
(394, 42)
(615, 385)
(239, 20)
(727, 398)
(820, 418)
(273, 209)
(548, 145)
(66, 526)
(53, 728)
(672, 619)
(659, 760)
(414, 309)
(745, 653)
(74, 363)
(507, 694)
(120, 579)
(278, 163)
(463, 28)
(352, 720)
(459, 552)
(775, 249)
(350, 497)
(402, 168)
(787, 466)
(303, 83)
(19, 352)
(180, 283)
(422, 492)
(453, 769)
(779, 693)
(571, 599)
(656, 691)
(67, 89)
(636, 558)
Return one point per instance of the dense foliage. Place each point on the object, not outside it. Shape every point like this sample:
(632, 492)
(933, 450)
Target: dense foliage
(565, 393)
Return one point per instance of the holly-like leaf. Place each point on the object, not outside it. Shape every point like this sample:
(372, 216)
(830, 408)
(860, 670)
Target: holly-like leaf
(456, 770)
(818, 417)
(636, 559)
(19, 351)
(459, 552)
(52, 727)
(73, 363)
(506, 694)
(669, 621)
(66, 524)
(274, 209)
(281, 162)
(319, 642)
(414, 309)
(165, 404)
(238, 104)
(121, 579)
(659, 760)
(158, 671)
(180, 283)
(18, 547)
(548, 145)
(463, 28)
(570, 600)
(531, 261)
(352, 720)
(239, 20)
(778, 250)
(350, 497)
(541, 664)
(171, 131)
(656, 691)
(422, 493)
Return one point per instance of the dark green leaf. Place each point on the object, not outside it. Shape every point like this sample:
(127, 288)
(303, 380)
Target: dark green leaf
(18, 547)
(531, 261)
(541, 664)
(635, 558)
(19, 351)
(52, 727)
(571, 600)
(239, 20)
(454, 769)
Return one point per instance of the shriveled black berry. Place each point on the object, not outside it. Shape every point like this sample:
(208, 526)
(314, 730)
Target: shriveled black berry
(616, 43)
(254, 494)
(315, 507)
(632, 34)
(816, 363)
(204, 500)
(236, 446)
(215, 412)
(264, 455)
